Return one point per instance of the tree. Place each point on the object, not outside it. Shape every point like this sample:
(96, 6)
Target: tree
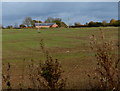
(35, 21)
(94, 24)
(91, 24)
(63, 25)
(104, 23)
(10, 27)
(77, 24)
(58, 21)
(116, 23)
(112, 21)
(22, 26)
(49, 20)
(27, 21)
(52, 20)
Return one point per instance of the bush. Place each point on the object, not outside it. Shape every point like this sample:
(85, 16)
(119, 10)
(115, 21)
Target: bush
(51, 71)
(107, 73)
(47, 75)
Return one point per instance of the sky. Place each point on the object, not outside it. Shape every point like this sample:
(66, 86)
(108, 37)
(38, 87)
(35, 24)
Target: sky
(70, 12)
(60, 0)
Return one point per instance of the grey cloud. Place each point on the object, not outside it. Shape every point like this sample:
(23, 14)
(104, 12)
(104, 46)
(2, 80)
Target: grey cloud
(78, 11)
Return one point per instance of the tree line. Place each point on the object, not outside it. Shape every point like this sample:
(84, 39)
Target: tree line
(28, 22)
(112, 22)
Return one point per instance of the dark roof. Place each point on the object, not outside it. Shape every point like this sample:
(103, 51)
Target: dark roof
(44, 24)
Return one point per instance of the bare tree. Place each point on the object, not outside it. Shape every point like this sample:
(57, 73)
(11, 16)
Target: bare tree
(27, 21)
(104, 23)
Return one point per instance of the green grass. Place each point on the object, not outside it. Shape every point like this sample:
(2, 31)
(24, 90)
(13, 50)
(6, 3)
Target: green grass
(19, 43)
(70, 46)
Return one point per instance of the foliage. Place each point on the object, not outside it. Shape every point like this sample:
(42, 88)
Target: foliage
(94, 24)
(63, 25)
(112, 21)
(115, 23)
(77, 23)
(35, 21)
(9, 27)
(31, 23)
(22, 26)
(58, 21)
(104, 23)
(51, 20)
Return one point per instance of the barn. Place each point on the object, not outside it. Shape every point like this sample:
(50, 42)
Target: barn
(46, 25)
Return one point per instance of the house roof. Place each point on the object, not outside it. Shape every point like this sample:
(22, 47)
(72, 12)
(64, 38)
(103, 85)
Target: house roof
(44, 24)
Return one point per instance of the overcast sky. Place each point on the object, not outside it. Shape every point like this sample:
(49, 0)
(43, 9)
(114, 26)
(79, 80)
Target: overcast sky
(70, 12)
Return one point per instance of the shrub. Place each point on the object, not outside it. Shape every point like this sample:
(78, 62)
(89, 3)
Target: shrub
(107, 73)
(47, 75)
(51, 71)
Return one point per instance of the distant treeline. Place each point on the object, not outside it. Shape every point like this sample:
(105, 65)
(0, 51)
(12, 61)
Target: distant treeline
(28, 22)
(112, 22)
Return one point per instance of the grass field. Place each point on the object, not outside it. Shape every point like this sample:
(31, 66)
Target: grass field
(70, 46)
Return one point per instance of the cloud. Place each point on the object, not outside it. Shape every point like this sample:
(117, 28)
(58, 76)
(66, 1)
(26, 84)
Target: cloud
(60, 0)
(15, 12)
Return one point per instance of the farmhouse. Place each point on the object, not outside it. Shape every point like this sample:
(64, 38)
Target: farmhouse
(46, 25)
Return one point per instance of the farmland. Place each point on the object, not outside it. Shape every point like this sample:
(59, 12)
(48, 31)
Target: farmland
(71, 46)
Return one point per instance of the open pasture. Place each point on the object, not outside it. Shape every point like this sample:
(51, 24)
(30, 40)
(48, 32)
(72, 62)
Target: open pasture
(71, 46)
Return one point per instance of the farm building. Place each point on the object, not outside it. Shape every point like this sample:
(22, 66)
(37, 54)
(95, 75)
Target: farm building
(46, 25)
